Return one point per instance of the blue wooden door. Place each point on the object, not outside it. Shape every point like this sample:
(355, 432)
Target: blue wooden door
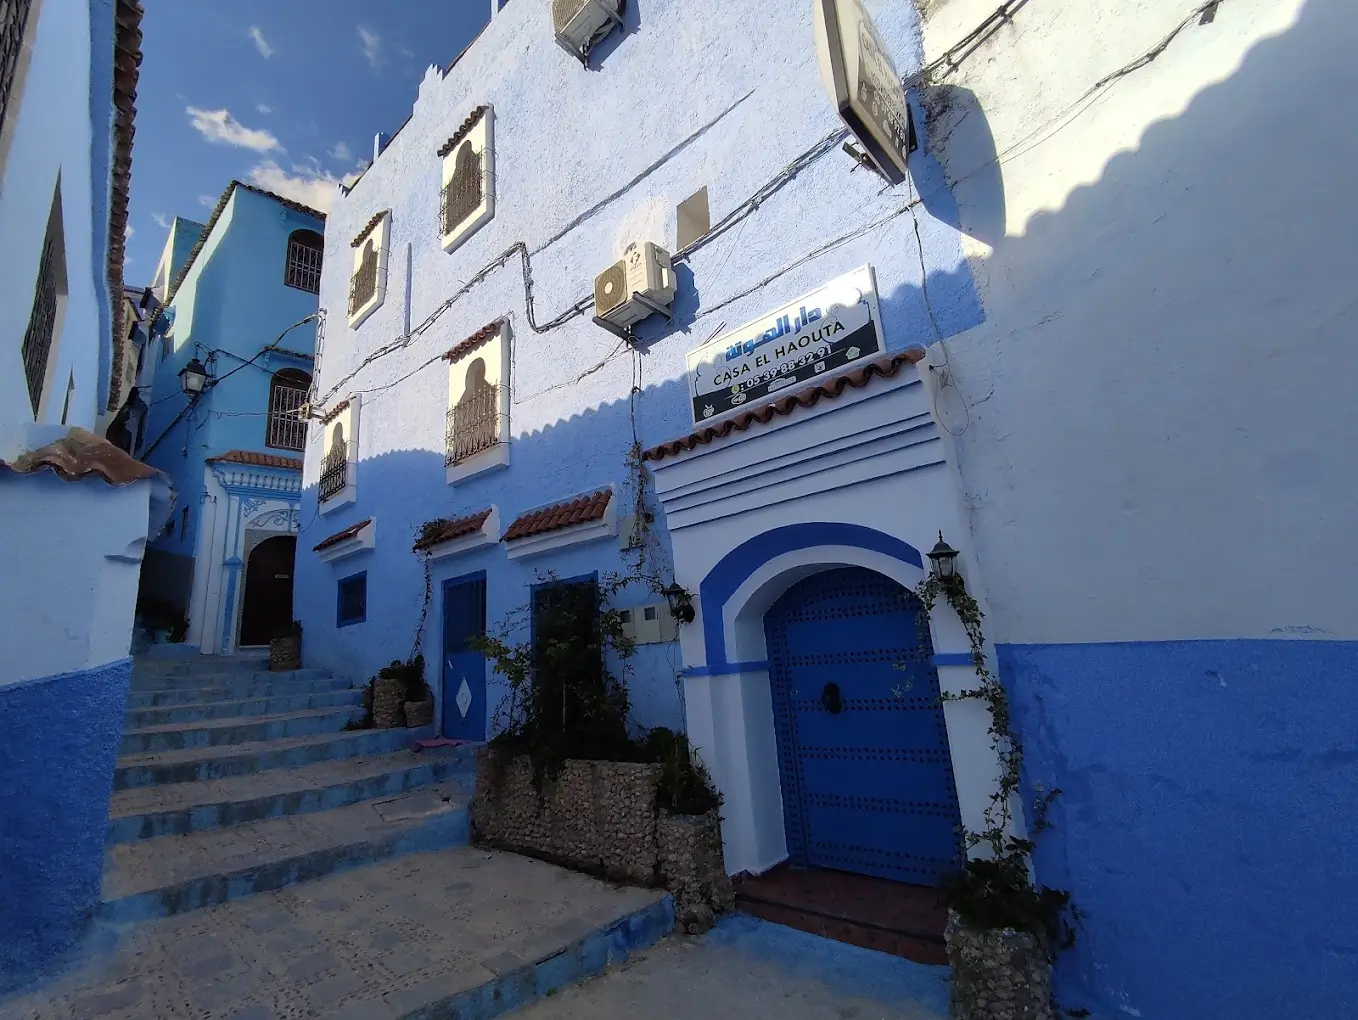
(863, 752)
(464, 670)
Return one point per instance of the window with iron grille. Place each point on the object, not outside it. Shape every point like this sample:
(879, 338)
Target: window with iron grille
(287, 392)
(364, 284)
(13, 24)
(462, 194)
(335, 465)
(42, 323)
(474, 421)
(304, 261)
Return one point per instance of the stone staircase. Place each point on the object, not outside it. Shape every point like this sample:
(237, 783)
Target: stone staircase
(264, 862)
(232, 781)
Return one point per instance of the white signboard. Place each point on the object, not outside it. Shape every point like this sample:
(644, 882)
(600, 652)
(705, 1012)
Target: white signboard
(863, 83)
(831, 327)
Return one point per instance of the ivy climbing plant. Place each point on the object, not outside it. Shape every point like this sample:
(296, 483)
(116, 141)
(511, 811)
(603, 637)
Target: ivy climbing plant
(997, 890)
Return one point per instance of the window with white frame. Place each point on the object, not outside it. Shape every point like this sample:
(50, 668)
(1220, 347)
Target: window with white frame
(478, 403)
(303, 270)
(368, 281)
(467, 194)
(336, 486)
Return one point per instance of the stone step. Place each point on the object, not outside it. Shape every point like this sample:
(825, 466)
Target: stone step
(223, 732)
(180, 808)
(173, 874)
(204, 763)
(248, 688)
(462, 932)
(236, 709)
(183, 665)
(218, 678)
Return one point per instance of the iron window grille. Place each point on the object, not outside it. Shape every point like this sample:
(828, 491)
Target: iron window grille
(13, 23)
(364, 284)
(42, 324)
(462, 194)
(334, 470)
(304, 261)
(287, 393)
(473, 424)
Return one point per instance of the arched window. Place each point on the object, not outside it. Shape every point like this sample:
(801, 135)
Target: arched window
(287, 392)
(462, 196)
(304, 261)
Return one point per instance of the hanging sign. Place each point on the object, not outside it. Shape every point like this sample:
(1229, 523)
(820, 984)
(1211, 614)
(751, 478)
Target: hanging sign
(813, 336)
(863, 84)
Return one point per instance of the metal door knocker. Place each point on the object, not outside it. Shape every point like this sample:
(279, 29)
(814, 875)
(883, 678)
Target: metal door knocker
(829, 697)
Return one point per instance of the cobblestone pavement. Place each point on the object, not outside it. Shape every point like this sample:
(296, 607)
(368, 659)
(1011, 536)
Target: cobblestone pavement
(747, 969)
(370, 944)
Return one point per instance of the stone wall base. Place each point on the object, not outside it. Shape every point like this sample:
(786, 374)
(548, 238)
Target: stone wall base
(998, 974)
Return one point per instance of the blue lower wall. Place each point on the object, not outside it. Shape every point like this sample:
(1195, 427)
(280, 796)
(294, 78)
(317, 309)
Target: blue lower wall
(58, 740)
(1207, 823)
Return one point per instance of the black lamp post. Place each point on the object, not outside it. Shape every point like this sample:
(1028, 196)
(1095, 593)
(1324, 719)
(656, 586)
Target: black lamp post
(943, 560)
(681, 602)
(192, 378)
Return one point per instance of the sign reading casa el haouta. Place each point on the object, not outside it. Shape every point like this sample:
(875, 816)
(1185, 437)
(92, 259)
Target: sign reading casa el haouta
(813, 336)
(863, 84)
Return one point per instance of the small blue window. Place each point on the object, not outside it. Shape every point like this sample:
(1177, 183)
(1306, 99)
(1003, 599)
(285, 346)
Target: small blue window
(352, 600)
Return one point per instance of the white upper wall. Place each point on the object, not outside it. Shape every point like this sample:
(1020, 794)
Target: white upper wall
(1159, 442)
(49, 134)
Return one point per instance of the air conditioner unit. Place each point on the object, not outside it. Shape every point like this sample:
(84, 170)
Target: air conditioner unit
(631, 289)
(581, 24)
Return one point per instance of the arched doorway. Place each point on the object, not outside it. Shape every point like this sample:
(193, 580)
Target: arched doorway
(266, 611)
(863, 754)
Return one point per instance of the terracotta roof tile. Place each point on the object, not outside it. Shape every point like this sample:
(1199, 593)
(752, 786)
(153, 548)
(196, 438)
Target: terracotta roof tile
(368, 228)
(475, 340)
(254, 459)
(79, 454)
(462, 131)
(447, 530)
(341, 536)
(126, 71)
(334, 412)
(581, 510)
(807, 396)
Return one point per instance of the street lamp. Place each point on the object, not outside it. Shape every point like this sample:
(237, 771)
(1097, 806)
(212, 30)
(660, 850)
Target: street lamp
(192, 378)
(681, 602)
(943, 560)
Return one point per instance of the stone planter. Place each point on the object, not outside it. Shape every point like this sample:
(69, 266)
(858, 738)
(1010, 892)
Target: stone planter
(388, 703)
(285, 653)
(693, 869)
(998, 974)
(419, 713)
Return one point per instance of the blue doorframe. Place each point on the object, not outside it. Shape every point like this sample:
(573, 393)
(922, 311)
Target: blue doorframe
(464, 669)
(863, 754)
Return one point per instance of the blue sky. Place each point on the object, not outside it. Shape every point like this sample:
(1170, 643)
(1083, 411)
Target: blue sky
(284, 94)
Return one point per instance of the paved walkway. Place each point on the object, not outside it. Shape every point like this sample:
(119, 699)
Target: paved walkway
(746, 969)
(462, 927)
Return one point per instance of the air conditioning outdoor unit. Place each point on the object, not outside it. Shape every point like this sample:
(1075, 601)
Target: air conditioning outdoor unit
(582, 24)
(641, 283)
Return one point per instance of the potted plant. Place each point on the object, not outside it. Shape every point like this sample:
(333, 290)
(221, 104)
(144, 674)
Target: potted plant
(419, 698)
(285, 651)
(400, 695)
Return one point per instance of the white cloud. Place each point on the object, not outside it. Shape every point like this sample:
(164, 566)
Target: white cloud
(220, 127)
(261, 44)
(264, 108)
(310, 185)
(130, 231)
(207, 201)
(372, 46)
(341, 152)
(162, 221)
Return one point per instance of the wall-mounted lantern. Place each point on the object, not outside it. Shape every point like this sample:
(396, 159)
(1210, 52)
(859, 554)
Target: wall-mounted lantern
(192, 378)
(681, 602)
(943, 560)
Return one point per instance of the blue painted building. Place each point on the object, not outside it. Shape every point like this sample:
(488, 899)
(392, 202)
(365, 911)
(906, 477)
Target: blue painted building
(75, 511)
(239, 311)
(1069, 324)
